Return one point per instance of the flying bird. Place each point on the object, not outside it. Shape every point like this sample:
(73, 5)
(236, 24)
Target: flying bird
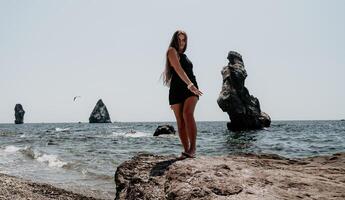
(75, 98)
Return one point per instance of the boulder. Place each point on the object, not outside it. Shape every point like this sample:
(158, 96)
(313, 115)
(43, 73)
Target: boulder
(243, 109)
(164, 130)
(19, 114)
(100, 113)
(245, 176)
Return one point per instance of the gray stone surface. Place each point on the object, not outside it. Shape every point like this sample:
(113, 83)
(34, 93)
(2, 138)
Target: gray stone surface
(240, 177)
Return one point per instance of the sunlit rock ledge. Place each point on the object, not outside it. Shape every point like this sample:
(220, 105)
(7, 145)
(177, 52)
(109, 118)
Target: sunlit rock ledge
(245, 176)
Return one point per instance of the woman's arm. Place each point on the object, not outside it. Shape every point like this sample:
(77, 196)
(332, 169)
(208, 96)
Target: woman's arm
(175, 63)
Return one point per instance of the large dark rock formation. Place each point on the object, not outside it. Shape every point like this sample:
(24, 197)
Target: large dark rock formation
(244, 176)
(100, 113)
(19, 114)
(164, 130)
(243, 109)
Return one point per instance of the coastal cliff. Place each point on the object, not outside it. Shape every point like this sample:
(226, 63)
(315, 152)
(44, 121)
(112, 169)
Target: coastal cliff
(245, 176)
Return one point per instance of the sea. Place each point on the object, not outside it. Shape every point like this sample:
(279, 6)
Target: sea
(83, 157)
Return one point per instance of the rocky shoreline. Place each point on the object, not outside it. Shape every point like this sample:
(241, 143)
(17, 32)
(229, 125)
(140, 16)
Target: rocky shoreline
(19, 189)
(242, 177)
(246, 177)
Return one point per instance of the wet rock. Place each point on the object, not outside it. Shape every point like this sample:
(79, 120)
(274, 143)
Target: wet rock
(51, 142)
(164, 130)
(246, 176)
(19, 114)
(265, 119)
(243, 109)
(100, 113)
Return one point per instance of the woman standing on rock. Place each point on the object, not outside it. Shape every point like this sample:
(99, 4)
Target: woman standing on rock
(183, 92)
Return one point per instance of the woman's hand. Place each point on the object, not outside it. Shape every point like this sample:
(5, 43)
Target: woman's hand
(195, 90)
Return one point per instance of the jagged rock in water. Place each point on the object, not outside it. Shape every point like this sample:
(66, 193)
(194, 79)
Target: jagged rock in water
(245, 176)
(243, 109)
(100, 113)
(164, 130)
(19, 114)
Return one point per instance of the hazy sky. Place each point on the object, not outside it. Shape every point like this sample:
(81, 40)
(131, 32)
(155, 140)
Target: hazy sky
(51, 51)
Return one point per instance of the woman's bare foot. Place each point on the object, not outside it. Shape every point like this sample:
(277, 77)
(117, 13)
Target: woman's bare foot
(191, 152)
(189, 155)
(182, 156)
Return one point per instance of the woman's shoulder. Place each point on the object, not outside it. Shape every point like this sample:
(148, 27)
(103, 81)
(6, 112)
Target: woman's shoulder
(171, 50)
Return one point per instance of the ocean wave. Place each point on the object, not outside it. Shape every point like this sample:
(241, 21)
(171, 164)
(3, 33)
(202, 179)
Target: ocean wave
(11, 149)
(28, 152)
(86, 172)
(5, 133)
(131, 133)
(49, 159)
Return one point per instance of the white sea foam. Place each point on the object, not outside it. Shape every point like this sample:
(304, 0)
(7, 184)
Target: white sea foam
(11, 149)
(84, 171)
(138, 134)
(117, 134)
(51, 160)
(61, 129)
(29, 152)
(132, 133)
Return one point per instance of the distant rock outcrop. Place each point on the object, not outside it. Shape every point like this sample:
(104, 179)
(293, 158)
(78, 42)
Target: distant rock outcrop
(246, 176)
(243, 109)
(19, 114)
(100, 113)
(164, 130)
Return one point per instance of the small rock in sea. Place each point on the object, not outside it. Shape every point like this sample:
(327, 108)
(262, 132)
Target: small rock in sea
(19, 114)
(51, 142)
(100, 113)
(164, 130)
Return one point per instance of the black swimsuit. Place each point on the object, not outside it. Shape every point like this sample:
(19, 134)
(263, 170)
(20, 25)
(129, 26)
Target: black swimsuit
(178, 91)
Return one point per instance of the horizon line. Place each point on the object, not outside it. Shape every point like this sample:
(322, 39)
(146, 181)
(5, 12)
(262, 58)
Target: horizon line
(84, 122)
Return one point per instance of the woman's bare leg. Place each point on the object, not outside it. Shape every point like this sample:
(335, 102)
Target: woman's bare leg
(188, 116)
(178, 111)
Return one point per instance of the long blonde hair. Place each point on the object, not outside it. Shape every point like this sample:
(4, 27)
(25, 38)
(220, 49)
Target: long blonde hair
(174, 44)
